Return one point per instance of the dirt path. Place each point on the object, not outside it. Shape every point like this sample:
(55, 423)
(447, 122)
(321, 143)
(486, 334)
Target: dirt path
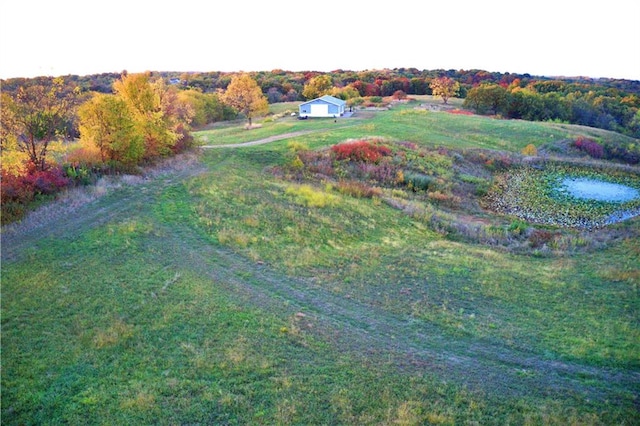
(361, 115)
(263, 141)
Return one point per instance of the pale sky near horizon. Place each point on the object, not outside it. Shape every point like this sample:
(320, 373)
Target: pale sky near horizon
(543, 38)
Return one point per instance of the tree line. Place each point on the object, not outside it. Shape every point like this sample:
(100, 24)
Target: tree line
(610, 104)
(125, 120)
(607, 109)
(143, 119)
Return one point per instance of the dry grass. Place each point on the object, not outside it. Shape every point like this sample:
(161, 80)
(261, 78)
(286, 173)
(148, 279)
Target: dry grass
(252, 126)
(114, 334)
(70, 200)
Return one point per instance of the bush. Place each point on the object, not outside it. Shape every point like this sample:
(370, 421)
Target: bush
(361, 151)
(185, 140)
(295, 146)
(86, 153)
(530, 150)
(518, 227)
(46, 182)
(419, 181)
(498, 162)
(622, 154)
(540, 237)
(591, 147)
(14, 189)
(358, 189)
(399, 95)
(81, 174)
(18, 192)
(382, 172)
(444, 198)
(12, 212)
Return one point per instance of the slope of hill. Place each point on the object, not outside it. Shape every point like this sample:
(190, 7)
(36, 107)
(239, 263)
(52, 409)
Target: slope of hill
(226, 289)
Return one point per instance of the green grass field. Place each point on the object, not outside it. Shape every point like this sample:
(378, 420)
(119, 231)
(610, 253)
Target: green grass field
(215, 292)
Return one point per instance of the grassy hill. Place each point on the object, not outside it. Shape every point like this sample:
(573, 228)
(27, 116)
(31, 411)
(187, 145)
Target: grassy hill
(224, 288)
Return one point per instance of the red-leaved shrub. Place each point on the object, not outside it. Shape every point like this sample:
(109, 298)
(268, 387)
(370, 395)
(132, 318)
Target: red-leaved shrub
(362, 151)
(591, 147)
(46, 182)
(19, 191)
(14, 188)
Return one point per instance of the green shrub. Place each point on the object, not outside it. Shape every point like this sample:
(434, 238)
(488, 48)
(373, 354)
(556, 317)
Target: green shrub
(518, 227)
(295, 146)
(419, 181)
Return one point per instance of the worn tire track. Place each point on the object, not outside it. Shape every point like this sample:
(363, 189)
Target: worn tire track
(379, 336)
(361, 329)
(263, 141)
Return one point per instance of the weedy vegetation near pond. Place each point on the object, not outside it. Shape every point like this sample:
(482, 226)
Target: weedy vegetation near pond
(314, 280)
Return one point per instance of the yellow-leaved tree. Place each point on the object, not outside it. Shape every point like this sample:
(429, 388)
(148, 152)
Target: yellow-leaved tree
(143, 120)
(143, 98)
(444, 87)
(318, 86)
(106, 121)
(245, 96)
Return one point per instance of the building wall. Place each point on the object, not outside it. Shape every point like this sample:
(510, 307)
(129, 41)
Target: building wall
(333, 110)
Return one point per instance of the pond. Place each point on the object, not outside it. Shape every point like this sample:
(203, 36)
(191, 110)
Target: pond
(567, 197)
(598, 190)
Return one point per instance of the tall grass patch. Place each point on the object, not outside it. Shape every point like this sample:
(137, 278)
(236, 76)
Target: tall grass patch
(308, 196)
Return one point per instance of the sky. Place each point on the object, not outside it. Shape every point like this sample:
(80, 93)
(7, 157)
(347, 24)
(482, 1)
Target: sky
(543, 38)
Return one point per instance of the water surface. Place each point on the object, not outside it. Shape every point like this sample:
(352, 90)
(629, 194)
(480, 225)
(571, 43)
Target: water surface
(598, 190)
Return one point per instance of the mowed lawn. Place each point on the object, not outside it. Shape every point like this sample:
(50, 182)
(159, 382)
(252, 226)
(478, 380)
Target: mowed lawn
(208, 294)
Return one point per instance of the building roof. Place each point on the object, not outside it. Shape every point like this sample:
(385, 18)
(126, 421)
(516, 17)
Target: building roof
(329, 99)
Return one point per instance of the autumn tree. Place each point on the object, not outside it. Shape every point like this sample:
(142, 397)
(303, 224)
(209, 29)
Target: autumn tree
(155, 109)
(318, 86)
(245, 96)
(444, 87)
(207, 107)
(487, 97)
(8, 123)
(34, 116)
(144, 119)
(344, 93)
(107, 122)
(399, 95)
(196, 99)
(177, 114)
